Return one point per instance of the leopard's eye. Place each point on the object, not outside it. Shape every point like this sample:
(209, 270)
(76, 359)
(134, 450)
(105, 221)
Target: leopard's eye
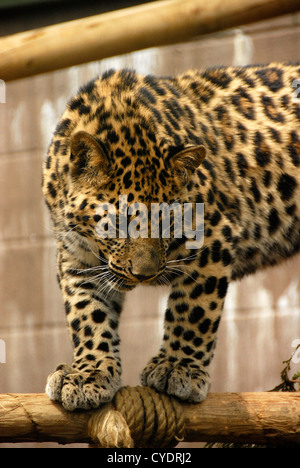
(183, 175)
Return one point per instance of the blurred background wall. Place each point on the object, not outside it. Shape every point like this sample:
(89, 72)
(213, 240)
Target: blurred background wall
(261, 318)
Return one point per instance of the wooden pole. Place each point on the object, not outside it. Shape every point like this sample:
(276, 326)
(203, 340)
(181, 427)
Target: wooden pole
(154, 24)
(260, 418)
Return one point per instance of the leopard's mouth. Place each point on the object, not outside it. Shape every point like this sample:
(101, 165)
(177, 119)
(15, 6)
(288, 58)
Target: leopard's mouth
(130, 280)
(120, 282)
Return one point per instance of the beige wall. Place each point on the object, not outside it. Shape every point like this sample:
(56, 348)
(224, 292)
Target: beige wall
(261, 317)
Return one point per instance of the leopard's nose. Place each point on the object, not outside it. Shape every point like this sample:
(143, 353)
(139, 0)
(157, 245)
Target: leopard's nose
(145, 260)
(143, 277)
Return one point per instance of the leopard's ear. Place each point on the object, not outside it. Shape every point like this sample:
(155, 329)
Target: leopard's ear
(187, 161)
(87, 157)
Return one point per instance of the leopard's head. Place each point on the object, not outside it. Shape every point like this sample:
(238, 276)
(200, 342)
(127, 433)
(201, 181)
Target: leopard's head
(120, 200)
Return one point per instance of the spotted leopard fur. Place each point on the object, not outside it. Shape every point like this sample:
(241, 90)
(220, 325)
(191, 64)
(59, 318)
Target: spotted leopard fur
(225, 137)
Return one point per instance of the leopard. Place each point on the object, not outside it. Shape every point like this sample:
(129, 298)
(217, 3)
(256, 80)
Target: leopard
(223, 138)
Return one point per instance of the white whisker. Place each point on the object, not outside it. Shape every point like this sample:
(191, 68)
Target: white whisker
(94, 269)
(163, 279)
(190, 257)
(178, 271)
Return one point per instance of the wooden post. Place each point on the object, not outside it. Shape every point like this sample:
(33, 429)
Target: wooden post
(153, 24)
(259, 418)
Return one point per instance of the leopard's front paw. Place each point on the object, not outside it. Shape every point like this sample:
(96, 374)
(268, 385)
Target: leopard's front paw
(187, 381)
(82, 390)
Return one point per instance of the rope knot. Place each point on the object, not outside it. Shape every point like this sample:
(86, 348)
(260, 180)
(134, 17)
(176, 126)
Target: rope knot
(138, 417)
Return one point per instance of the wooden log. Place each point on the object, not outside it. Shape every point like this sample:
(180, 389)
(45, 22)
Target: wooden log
(153, 24)
(260, 418)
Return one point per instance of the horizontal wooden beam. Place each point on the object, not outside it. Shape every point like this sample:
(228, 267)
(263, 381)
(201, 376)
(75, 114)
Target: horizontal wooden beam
(114, 33)
(259, 418)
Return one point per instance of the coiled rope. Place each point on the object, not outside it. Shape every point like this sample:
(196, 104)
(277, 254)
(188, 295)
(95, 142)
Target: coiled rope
(138, 417)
